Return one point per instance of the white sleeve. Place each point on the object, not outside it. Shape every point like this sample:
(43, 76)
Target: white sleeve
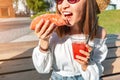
(95, 68)
(100, 51)
(42, 61)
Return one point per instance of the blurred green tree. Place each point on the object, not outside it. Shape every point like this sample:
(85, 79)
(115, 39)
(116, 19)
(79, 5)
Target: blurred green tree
(38, 5)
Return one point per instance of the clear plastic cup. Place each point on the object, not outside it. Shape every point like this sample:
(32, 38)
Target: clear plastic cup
(78, 43)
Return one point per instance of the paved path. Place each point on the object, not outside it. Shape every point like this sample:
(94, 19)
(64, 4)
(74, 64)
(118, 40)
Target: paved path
(16, 29)
(28, 37)
(14, 19)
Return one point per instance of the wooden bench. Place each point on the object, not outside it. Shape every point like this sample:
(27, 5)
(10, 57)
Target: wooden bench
(112, 62)
(16, 62)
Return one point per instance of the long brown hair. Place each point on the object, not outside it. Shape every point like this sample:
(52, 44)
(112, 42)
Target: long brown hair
(88, 21)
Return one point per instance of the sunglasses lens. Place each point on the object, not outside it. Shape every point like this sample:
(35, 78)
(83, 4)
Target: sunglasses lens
(59, 1)
(72, 1)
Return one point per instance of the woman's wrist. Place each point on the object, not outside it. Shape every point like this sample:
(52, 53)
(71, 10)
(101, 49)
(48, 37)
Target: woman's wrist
(43, 45)
(43, 49)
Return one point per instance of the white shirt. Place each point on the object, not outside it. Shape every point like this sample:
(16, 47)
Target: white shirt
(60, 58)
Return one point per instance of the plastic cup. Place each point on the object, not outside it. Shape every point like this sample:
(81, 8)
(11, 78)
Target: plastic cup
(78, 43)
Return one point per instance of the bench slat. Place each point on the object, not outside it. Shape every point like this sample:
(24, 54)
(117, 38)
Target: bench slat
(115, 77)
(17, 45)
(113, 40)
(113, 52)
(16, 50)
(15, 53)
(15, 65)
(29, 75)
(111, 66)
(113, 43)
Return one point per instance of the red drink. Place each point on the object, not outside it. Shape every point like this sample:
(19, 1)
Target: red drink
(77, 47)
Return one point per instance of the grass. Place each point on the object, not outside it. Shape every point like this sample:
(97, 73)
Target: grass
(110, 20)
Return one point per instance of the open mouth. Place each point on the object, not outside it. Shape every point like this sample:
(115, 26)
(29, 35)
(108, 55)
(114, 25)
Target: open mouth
(67, 16)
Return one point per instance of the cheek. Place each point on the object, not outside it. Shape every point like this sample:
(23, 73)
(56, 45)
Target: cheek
(79, 12)
(80, 9)
(59, 8)
(78, 15)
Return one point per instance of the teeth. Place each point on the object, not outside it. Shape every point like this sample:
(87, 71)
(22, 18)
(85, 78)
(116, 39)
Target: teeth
(66, 13)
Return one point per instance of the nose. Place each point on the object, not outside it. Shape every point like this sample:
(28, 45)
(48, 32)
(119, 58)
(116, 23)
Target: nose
(65, 4)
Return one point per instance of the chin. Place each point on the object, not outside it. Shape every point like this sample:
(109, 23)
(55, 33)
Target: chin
(72, 24)
(69, 25)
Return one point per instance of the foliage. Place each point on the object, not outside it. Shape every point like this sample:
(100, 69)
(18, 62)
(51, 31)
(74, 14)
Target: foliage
(37, 5)
(110, 20)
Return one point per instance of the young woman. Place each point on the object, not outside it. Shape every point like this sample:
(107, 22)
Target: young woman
(54, 50)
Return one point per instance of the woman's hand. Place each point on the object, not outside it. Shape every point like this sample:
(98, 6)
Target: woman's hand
(43, 31)
(84, 61)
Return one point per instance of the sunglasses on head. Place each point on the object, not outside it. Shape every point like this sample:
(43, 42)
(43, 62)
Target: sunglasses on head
(70, 1)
